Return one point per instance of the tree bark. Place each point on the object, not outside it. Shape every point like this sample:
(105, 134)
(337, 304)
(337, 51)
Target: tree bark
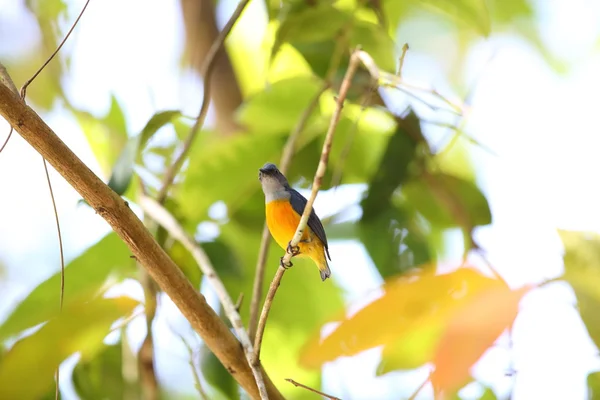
(126, 224)
(201, 31)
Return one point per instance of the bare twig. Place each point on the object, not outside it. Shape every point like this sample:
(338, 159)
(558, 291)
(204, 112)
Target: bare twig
(147, 373)
(7, 81)
(421, 386)
(197, 382)
(28, 82)
(401, 61)
(387, 79)
(352, 67)
(286, 158)
(298, 384)
(206, 70)
(160, 214)
(140, 242)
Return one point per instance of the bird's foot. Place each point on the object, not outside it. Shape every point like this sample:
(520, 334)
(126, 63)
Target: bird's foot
(284, 265)
(293, 250)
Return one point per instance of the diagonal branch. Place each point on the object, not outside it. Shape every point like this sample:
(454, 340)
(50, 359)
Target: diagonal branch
(286, 158)
(352, 67)
(160, 214)
(126, 224)
(208, 65)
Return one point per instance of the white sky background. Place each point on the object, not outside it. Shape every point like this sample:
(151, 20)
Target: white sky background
(543, 127)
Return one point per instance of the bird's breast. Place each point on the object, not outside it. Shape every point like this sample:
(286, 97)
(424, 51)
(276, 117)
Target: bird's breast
(282, 221)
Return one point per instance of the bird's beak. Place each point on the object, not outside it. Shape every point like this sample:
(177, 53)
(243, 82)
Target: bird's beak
(261, 170)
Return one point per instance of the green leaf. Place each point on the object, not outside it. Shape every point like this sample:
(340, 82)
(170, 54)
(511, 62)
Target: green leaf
(101, 377)
(81, 327)
(324, 20)
(105, 141)
(593, 385)
(122, 172)
(225, 169)
(156, 122)
(84, 277)
(393, 169)
(186, 263)
(488, 394)
(447, 201)
(223, 257)
(115, 118)
(473, 14)
(279, 107)
(384, 227)
(582, 272)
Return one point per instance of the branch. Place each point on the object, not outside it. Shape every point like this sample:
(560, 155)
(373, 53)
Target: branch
(159, 214)
(126, 224)
(298, 384)
(201, 33)
(286, 158)
(353, 65)
(208, 65)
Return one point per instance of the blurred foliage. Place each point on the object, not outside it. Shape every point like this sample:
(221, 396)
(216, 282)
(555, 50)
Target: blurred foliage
(448, 320)
(410, 198)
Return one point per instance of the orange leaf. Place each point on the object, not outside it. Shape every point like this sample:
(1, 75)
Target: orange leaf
(412, 303)
(470, 332)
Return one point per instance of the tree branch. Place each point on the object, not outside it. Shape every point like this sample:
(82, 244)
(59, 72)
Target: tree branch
(286, 158)
(125, 223)
(353, 65)
(210, 60)
(298, 384)
(159, 214)
(201, 35)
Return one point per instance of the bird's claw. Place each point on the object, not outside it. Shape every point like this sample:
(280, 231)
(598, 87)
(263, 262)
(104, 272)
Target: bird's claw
(284, 265)
(293, 250)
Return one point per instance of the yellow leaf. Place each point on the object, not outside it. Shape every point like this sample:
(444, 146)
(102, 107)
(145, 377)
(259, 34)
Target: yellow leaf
(414, 306)
(470, 332)
(27, 369)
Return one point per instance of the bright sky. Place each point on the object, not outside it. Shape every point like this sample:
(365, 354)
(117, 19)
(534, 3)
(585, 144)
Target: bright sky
(543, 128)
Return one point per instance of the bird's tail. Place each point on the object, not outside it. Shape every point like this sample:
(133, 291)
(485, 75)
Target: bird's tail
(324, 269)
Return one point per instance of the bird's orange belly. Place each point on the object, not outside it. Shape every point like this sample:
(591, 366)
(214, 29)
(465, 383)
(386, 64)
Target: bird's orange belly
(283, 221)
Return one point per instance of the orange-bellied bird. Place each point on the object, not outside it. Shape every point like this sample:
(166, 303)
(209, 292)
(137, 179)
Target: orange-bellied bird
(284, 208)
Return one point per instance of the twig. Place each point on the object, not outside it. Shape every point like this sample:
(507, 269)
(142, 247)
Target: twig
(148, 380)
(387, 79)
(401, 61)
(286, 158)
(298, 384)
(132, 231)
(160, 214)
(238, 303)
(421, 386)
(206, 70)
(197, 382)
(352, 67)
(7, 81)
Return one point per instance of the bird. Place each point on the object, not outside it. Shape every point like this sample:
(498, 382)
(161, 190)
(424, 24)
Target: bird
(283, 208)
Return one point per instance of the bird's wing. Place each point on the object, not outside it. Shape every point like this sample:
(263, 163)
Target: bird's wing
(298, 203)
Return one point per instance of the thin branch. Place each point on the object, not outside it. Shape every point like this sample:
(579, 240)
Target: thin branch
(197, 382)
(387, 79)
(401, 61)
(147, 373)
(132, 231)
(286, 158)
(298, 384)
(421, 386)
(352, 67)
(208, 65)
(28, 82)
(162, 216)
(7, 81)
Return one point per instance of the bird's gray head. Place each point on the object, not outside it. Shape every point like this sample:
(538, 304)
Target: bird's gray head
(274, 184)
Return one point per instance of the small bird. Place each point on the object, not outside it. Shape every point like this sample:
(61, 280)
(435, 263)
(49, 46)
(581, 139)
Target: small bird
(284, 207)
